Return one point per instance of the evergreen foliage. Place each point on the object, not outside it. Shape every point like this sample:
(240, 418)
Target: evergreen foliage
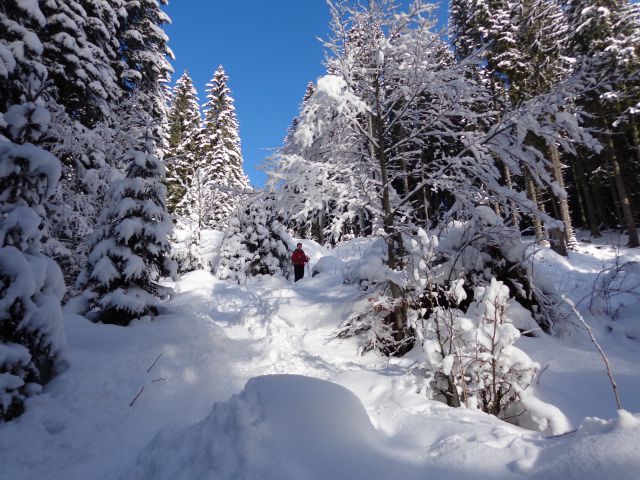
(130, 245)
(68, 70)
(142, 65)
(183, 155)
(256, 242)
(221, 150)
(31, 285)
(602, 38)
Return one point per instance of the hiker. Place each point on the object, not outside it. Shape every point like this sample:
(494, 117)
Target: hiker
(299, 258)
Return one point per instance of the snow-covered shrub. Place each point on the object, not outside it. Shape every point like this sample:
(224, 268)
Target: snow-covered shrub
(474, 252)
(479, 249)
(470, 354)
(616, 297)
(255, 243)
(469, 294)
(185, 250)
(31, 284)
(375, 317)
(616, 288)
(130, 245)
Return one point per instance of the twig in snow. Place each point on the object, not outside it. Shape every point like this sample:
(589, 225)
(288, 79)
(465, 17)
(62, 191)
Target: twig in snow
(142, 388)
(154, 363)
(562, 434)
(540, 373)
(134, 400)
(614, 386)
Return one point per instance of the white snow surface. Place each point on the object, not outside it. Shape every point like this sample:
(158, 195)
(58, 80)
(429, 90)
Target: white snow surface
(243, 382)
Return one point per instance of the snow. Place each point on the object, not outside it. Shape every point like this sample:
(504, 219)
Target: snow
(332, 94)
(244, 381)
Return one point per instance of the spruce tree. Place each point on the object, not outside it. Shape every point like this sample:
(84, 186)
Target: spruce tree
(222, 154)
(130, 245)
(183, 153)
(519, 45)
(142, 65)
(84, 81)
(256, 242)
(31, 284)
(472, 25)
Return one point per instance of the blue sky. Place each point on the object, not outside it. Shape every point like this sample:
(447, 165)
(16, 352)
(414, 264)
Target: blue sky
(269, 49)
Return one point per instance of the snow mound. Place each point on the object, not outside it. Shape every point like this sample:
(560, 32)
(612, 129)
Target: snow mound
(330, 265)
(604, 450)
(280, 427)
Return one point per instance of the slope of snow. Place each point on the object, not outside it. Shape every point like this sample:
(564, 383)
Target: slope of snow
(293, 427)
(170, 398)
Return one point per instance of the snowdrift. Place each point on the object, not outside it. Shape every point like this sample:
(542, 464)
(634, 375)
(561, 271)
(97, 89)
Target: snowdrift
(280, 427)
(291, 427)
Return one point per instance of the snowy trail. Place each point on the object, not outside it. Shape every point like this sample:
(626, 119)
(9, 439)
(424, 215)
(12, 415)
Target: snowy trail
(285, 329)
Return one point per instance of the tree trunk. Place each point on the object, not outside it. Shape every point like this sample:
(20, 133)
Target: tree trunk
(509, 183)
(582, 209)
(635, 136)
(403, 339)
(583, 186)
(533, 196)
(625, 204)
(563, 202)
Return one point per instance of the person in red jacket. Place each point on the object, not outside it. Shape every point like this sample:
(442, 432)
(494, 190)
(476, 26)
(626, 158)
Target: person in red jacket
(299, 258)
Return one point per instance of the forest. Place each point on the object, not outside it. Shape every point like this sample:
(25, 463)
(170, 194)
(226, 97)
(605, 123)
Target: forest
(467, 201)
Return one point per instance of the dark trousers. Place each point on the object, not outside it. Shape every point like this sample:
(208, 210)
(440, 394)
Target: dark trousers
(298, 271)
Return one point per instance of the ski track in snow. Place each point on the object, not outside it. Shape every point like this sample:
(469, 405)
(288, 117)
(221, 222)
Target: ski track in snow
(217, 335)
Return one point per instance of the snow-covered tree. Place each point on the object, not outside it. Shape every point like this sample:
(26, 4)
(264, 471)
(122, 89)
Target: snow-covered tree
(400, 117)
(519, 45)
(473, 25)
(130, 245)
(76, 203)
(288, 140)
(315, 196)
(20, 51)
(84, 81)
(184, 155)
(255, 242)
(142, 65)
(31, 284)
(221, 149)
(602, 36)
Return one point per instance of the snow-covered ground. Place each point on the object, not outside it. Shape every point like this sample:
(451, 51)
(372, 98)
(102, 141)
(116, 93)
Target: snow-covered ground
(244, 381)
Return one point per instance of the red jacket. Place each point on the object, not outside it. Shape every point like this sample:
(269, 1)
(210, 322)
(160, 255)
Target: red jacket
(299, 257)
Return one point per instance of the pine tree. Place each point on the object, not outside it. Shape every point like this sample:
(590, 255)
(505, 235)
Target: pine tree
(31, 284)
(130, 246)
(79, 52)
(142, 66)
(222, 155)
(84, 81)
(302, 198)
(184, 153)
(21, 51)
(519, 45)
(121, 45)
(256, 242)
(472, 25)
